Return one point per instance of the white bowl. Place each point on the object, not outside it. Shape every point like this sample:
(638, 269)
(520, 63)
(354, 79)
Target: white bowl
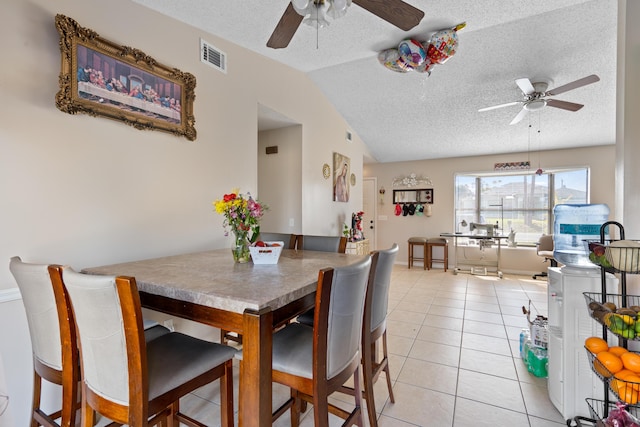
(624, 255)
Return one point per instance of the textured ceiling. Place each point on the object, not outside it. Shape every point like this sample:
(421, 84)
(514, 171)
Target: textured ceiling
(411, 116)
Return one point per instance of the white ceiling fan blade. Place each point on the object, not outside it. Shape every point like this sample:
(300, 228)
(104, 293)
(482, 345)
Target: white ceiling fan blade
(508, 104)
(525, 86)
(574, 85)
(519, 117)
(570, 106)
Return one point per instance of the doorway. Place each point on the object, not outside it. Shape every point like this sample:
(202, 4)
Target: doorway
(369, 207)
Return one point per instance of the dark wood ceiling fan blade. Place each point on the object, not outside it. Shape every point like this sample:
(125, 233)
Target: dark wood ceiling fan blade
(286, 28)
(574, 85)
(396, 12)
(570, 106)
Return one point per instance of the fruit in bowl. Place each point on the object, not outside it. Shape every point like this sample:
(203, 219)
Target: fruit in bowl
(597, 254)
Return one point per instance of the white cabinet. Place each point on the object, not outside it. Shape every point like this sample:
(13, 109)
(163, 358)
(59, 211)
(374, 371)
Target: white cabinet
(571, 379)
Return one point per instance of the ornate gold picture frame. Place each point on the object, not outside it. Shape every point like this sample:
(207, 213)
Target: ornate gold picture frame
(101, 78)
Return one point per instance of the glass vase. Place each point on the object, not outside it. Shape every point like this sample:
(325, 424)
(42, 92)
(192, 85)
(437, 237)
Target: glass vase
(240, 247)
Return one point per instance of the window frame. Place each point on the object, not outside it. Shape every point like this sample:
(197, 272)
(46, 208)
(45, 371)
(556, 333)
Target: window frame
(476, 212)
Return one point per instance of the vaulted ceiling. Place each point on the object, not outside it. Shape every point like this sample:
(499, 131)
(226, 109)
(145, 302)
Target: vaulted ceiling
(410, 116)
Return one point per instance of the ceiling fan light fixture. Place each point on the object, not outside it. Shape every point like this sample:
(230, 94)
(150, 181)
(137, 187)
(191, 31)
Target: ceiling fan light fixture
(535, 104)
(317, 18)
(300, 5)
(337, 8)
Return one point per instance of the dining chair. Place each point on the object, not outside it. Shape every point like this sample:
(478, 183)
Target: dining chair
(315, 362)
(126, 379)
(375, 315)
(53, 342)
(288, 239)
(321, 243)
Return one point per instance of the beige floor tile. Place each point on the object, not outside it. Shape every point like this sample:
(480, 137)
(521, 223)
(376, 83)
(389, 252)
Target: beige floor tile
(385, 421)
(488, 363)
(402, 329)
(483, 316)
(434, 352)
(540, 422)
(450, 294)
(439, 335)
(490, 389)
(433, 376)
(537, 401)
(486, 343)
(484, 328)
(402, 315)
(487, 299)
(482, 306)
(440, 310)
(416, 307)
(448, 302)
(443, 322)
(519, 321)
(470, 413)
(398, 345)
(420, 406)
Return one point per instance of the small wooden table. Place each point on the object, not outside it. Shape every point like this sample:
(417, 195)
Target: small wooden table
(208, 287)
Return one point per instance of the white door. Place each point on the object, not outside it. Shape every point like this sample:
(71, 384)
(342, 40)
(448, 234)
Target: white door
(369, 208)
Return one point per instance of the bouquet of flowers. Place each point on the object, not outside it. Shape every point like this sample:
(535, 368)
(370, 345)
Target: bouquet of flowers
(242, 216)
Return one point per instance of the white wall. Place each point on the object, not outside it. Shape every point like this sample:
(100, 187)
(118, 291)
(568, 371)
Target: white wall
(86, 191)
(601, 160)
(279, 181)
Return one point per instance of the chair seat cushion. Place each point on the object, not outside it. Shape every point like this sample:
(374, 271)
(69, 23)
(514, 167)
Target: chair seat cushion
(307, 317)
(154, 332)
(293, 350)
(417, 240)
(174, 359)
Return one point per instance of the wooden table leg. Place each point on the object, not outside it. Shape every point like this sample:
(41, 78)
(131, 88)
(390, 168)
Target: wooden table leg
(255, 375)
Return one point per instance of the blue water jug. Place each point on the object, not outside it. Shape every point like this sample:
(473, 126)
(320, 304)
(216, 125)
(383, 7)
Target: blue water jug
(573, 224)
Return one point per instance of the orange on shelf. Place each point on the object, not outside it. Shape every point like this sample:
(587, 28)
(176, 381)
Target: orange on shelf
(617, 350)
(631, 361)
(596, 345)
(627, 394)
(609, 361)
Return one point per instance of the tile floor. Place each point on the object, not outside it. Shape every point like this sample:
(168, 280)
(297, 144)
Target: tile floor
(454, 344)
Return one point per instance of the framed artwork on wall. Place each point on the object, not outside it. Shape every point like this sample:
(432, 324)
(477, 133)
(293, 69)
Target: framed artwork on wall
(101, 78)
(341, 172)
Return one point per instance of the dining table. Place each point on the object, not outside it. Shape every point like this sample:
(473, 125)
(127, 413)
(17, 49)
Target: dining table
(246, 298)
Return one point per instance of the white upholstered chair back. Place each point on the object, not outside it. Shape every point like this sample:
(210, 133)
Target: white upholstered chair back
(40, 306)
(99, 319)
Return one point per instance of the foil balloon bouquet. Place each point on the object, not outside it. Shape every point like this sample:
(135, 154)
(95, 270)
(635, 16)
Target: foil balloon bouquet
(414, 55)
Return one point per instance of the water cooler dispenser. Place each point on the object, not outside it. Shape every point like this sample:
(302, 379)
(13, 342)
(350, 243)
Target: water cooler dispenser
(571, 379)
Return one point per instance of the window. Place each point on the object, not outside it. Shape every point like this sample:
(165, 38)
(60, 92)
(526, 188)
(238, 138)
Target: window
(523, 202)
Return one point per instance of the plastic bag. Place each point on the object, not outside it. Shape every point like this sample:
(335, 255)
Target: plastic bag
(620, 417)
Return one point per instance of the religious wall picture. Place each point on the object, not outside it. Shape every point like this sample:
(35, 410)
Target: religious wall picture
(341, 172)
(101, 78)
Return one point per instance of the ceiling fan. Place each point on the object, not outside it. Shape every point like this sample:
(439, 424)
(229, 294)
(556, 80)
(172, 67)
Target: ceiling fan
(535, 96)
(396, 12)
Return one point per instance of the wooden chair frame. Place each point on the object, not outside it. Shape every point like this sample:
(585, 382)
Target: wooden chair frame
(68, 377)
(317, 389)
(164, 409)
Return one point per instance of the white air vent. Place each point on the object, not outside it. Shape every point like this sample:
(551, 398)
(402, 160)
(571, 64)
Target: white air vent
(211, 55)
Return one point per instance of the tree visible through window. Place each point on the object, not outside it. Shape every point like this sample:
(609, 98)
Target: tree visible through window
(520, 202)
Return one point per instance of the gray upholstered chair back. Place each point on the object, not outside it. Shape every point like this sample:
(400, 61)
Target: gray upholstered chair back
(42, 314)
(99, 319)
(288, 239)
(346, 309)
(381, 284)
(321, 243)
